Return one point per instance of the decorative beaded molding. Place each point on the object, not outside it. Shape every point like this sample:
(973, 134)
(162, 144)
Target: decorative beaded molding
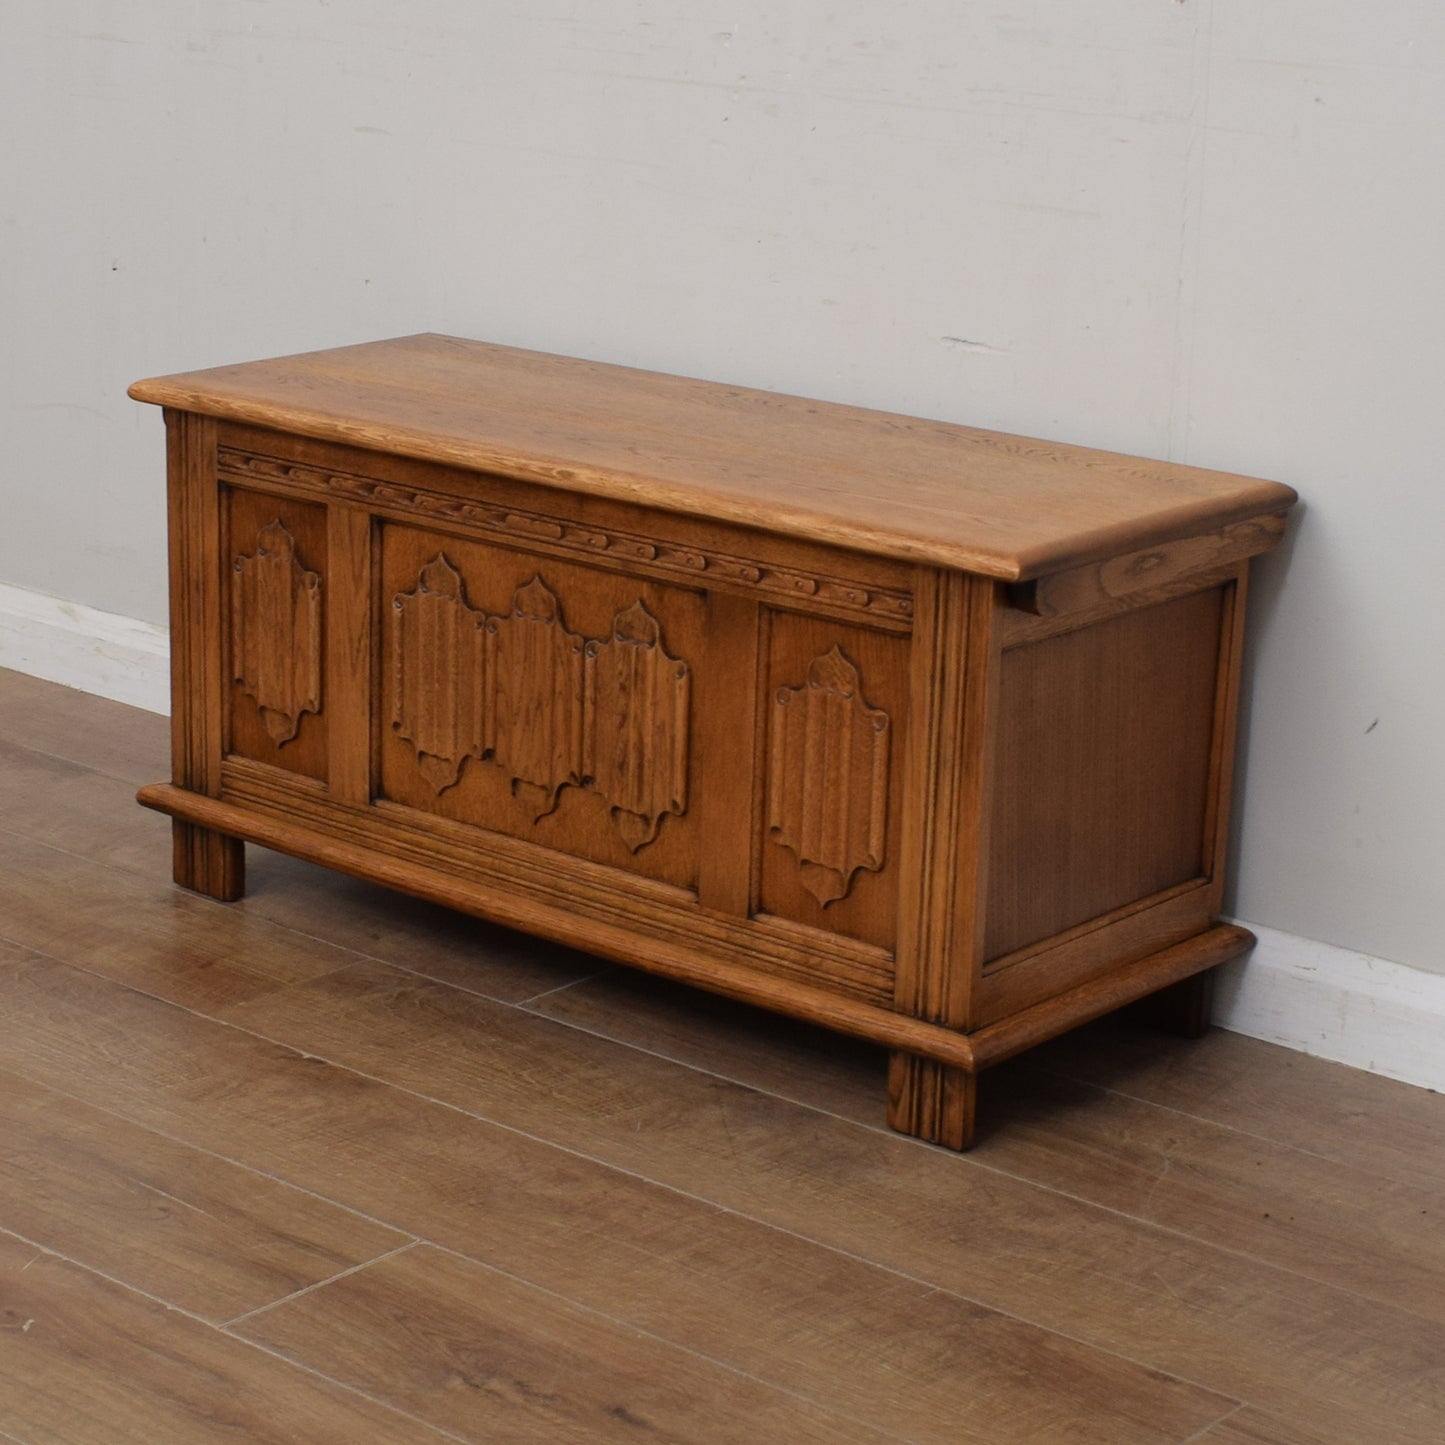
(696, 564)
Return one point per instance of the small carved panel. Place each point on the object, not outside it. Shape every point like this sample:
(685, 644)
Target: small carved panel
(636, 726)
(828, 777)
(437, 673)
(532, 723)
(276, 632)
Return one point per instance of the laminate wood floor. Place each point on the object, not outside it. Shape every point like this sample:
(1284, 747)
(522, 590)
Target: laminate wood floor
(330, 1164)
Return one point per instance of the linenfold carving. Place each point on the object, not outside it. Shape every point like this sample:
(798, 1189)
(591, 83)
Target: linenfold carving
(547, 706)
(533, 698)
(828, 777)
(637, 726)
(276, 632)
(438, 673)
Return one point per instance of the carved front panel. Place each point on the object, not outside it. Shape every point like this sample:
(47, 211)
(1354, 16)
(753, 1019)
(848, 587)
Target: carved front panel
(828, 777)
(534, 698)
(568, 720)
(275, 558)
(438, 676)
(637, 725)
(835, 702)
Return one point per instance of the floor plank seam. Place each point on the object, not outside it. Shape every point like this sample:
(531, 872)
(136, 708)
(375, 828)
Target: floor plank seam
(961, 1161)
(881, 1130)
(134, 781)
(980, 1160)
(356, 1390)
(1250, 1134)
(134, 1289)
(421, 1237)
(645, 1333)
(971, 1160)
(357, 955)
(1213, 1425)
(524, 1004)
(296, 1294)
(266, 1174)
(226, 1332)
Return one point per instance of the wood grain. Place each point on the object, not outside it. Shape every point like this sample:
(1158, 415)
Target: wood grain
(145, 933)
(85, 1362)
(93, 816)
(201, 859)
(496, 645)
(65, 805)
(1103, 769)
(1120, 1193)
(1248, 1426)
(1005, 506)
(1330, 1219)
(109, 737)
(524, 632)
(276, 614)
(1238, 1305)
(1387, 1128)
(201, 1232)
(470, 1350)
(803, 1317)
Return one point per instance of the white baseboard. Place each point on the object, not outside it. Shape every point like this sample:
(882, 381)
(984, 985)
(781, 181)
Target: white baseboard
(97, 652)
(1331, 1002)
(1337, 1004)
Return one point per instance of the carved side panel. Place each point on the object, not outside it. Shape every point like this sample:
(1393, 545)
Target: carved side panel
(437, 673)
(276, 632)
(636, 726)
(532, 699)
(828, 777)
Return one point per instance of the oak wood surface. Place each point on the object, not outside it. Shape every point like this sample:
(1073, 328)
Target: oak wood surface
(740, 978)
(517, 577)
(1005, 506)
(1118, 1220)
(1103, 769)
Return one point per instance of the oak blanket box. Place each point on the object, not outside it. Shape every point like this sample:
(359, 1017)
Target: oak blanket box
(919, 732)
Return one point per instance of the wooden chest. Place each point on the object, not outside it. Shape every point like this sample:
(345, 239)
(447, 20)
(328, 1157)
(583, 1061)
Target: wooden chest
(919, 732)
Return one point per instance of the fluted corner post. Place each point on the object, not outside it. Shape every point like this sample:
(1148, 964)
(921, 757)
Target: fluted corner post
(944, 845)
(203, 860)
